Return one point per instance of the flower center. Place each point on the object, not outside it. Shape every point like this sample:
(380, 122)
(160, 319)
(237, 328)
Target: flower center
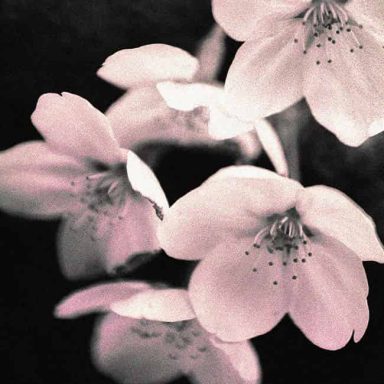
(103, 199)
(182, 340)
(285, 236)
(326, 22)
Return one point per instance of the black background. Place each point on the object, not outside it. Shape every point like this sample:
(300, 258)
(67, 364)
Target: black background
(57, 45)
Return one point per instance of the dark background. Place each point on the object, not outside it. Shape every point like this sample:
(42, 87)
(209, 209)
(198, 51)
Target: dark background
(57, 45)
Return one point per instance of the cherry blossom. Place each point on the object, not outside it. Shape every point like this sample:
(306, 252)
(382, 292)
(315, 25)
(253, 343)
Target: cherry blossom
(328, 51)
(154, 338)
(268, 247)
(107, 195)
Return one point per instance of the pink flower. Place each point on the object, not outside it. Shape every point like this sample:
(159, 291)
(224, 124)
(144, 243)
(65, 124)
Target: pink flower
(269, 247)
(157, 339)
(106, 193)
(328, 51)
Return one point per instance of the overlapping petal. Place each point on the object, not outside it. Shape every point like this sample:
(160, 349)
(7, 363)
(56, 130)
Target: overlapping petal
(72, 126)
(329, 303)
(328, 211)
(35, 180)
(148, 64)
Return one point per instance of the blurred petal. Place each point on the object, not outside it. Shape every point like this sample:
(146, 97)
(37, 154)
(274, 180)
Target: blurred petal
(144, 181)
(346, 96)
(210, 54)
(240, 18)
(82, 254)
(233, 290)
(330, 303)
(128, 356)
(188, 96)
(74, 127)
(329, 211)
(157, 304)
(223, 209)
(265, 76)
(272, 146)
(147, 65)
(35, 181)
(97, 298)
(228, 363)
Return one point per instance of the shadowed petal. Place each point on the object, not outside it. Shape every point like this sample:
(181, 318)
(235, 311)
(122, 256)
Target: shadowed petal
(332, 213)
(122, 353)
(147, 65)
(266, 76)
(234, 294)
(74, 127)
(157, 304)
(222, 209)
(35, 181)
(83, 254)
(228, 363)
(330, 300)
(97, 298)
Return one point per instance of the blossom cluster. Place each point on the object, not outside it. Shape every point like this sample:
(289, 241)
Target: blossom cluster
(266, 245)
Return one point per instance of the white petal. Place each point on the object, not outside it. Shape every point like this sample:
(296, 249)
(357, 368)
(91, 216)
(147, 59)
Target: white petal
(329, 211)
(265, 76)
(222, 209)
(186, 97)
(237, 295)
(97, 298)
(346, 96)
(147, 65)
(74, 127)
(83, 254)
(144, 181)
(228, 363)
(329, 302)
(35, 181)
(161, 305)
(122, 353)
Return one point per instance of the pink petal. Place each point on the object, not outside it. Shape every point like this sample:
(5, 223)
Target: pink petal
(36, 181)
(235, 291)
(329, 211)
(157, 304)
(144, 181)
(120, 352)
(84, 254)
(346, 95)
(147, 65)
(330, 300)
(265, 76)
(228, 363)
(74, 127)
(97, 298)
(222, 209)
(240, 18)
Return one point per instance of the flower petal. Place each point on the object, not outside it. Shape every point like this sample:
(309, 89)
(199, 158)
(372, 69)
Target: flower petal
(84, 254)
(329, 211)
(266, 76)
(147, 65)
(157, 304)
(74, 127)
(346, 96)
(329, 302)
(228, 363)
(222, 209)
(240, 18)
(127, 356)
(98, 297)
(233, 290)
(35, 181)
(144, 181)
